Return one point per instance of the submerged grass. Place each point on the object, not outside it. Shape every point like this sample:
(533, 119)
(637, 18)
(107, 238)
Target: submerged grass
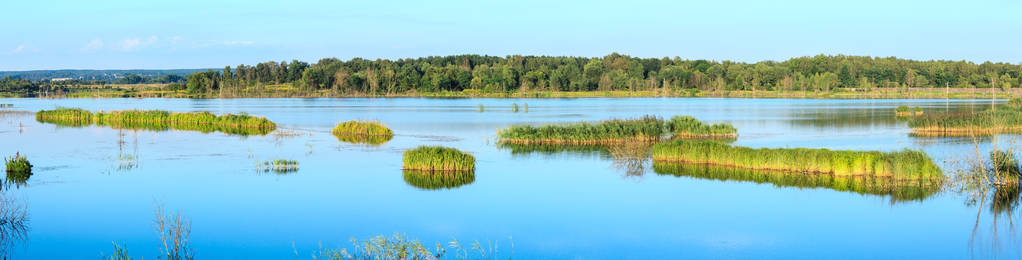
(435, 180)
(616, 131)
(1006, 118)
(65, 116)
(898, 190)
(906, 164)
(437, 158)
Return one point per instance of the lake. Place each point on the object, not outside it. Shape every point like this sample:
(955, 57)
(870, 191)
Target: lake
(94, 186)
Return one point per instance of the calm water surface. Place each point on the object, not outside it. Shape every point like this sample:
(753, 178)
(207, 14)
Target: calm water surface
(96, 185)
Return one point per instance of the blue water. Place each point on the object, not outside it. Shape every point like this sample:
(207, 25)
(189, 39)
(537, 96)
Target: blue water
(94, 186)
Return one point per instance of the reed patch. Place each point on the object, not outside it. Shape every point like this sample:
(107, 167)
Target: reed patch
(905, 164)
(437, 158)
(616, 131)
(363, 132)
(160, 120)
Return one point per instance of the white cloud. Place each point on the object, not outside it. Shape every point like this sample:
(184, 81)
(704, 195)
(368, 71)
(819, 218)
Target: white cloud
(19, 49)
(94, 45)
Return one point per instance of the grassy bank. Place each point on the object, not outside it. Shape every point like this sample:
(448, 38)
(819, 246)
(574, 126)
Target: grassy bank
(898, 190)
(437, 158)
(905, 164)
(615, 131)
(1005, 118)
(159, 120)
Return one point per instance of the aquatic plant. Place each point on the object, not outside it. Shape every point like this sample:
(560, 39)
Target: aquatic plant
(403, 247)
(175, 231)
(616, 131)
(65, 116)
(514, 107)
(120, 253)
(362, 128)
(526, 106)
(437, 158)
(906, 164)
(685, 127)
(1005, 164)
(1001, 119)
(898, 190)
(645, 129)
(18, 165)
(435, 180)
(906, 111)
(183, 120)
(481, 108)
(280, 166)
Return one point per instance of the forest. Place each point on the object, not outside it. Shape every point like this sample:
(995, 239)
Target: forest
(614, 72)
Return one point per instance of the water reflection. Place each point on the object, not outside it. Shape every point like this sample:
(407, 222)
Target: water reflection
(371, 140)
(13, 224)
(899, 191)
(437, 180)
(632, 159)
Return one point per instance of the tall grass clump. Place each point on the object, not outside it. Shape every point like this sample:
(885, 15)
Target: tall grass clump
(65, 116)
(1005, 118)
(514, 107)
(686, 127)
(18, 165)
(437, 158)
(906, 164)
(645, 129)
(243, 123)
(362, 128)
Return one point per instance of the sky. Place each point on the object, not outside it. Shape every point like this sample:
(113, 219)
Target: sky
(144, 34)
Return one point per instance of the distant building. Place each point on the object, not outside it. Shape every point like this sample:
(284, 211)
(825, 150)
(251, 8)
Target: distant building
(59, 79)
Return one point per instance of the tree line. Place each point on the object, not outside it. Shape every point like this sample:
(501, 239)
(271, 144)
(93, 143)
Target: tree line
(614, 72)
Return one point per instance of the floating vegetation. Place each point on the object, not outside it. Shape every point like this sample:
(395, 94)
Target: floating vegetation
(435, 180)
(481, 108)
(898, 190)
(616, 131)
(906, 164)
(526, 105)
(906, 111)
(18, 165)
(63, 116)
(687, 127)
(363, 132)
(1002, 119)
(514, 107)
(437, 158)
(160, 120)
(279, 166)
(6, 105)
(402, 247)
